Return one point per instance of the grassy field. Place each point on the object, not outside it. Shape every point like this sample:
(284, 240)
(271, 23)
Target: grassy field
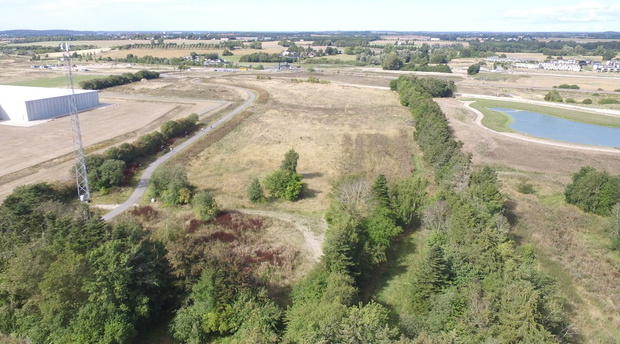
(55, 82)
(499, 121)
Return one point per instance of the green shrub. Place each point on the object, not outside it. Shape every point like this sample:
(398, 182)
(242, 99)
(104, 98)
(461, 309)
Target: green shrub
(525, 188)
(205, 206)
(587, 101)
(570, 100)
(553, 96)
(255, 192)
(567, 86)
(284, 185)
(608, 101)
(473, 69)
(593, 191)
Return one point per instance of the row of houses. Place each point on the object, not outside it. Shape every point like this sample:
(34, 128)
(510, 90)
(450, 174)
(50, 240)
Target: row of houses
(609, 66)
(566, 67)
(559, 65)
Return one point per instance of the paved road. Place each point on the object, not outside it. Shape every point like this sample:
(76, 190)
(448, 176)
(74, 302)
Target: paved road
(148, 172)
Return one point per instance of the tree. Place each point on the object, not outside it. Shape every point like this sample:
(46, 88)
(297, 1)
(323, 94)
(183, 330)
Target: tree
(609, 55)
(284, 185)
(553, 96)
(593, 191)
(392, 62)
(290, 161)
(205, 206)
(368, 324)
(110, 174)
(473, 69)
(167, 182)
(408, 196)
(255, 192)
(381, 192)
(171, 129)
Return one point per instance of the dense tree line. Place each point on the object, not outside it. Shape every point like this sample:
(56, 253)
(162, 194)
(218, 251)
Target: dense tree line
(265, 57)
(473, 283)
(441, 150)
(117, 80)
(364, 219)
(411, 58)
(117, 165)
(231, 44)
(548, 48)
(68, 277)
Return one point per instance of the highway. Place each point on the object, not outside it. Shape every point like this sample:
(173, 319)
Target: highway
(143, 183)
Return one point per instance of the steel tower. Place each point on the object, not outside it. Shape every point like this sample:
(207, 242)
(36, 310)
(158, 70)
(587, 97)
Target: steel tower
(78, 149)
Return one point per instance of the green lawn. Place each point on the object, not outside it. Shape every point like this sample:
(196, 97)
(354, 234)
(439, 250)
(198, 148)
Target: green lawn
(60, 81)
(499, 121)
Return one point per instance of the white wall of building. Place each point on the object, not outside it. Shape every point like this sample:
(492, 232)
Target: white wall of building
(24, 104)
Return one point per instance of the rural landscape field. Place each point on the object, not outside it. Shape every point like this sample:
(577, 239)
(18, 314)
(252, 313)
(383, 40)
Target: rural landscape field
(341, 188)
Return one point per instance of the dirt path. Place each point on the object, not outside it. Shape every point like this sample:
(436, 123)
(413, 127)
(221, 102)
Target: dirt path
(308, 226)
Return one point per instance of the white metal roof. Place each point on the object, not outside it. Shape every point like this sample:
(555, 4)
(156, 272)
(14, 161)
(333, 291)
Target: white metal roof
(26, 93)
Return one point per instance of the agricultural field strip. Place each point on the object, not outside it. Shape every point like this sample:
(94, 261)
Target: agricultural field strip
(148, 172)
(480, 115)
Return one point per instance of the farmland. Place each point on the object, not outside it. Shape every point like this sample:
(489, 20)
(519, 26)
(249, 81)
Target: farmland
(342, 120)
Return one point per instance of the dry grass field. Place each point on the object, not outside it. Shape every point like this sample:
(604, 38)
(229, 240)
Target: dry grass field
(336, 130)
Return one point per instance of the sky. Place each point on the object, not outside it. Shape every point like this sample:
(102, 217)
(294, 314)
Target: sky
(312, 15)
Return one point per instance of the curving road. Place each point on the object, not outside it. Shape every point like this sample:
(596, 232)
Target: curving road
(148, 172)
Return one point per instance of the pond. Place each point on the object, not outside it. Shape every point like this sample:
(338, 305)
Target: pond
(554, 128)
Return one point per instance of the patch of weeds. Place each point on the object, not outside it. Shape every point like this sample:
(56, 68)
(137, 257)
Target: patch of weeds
(552, 200)
(526, 188)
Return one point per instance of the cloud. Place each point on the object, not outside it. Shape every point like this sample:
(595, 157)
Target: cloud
(587, 11)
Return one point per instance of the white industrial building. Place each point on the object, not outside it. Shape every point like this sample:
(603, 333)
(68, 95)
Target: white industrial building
(22, 104)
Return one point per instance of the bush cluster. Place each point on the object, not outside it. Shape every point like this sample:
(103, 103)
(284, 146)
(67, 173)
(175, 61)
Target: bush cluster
(593, 191)
(567, 86)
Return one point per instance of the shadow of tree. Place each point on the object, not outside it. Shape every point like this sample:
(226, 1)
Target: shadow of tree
(311, 175)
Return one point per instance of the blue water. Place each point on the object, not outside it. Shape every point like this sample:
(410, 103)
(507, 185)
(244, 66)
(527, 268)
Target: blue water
(554, 128)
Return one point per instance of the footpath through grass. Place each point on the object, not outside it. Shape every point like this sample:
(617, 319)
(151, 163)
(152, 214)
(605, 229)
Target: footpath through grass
(500, 122)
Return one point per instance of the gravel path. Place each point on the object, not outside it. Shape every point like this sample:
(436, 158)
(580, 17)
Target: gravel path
(148, 172)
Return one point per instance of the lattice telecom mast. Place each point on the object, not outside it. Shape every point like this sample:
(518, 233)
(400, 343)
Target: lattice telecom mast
(78, 149)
